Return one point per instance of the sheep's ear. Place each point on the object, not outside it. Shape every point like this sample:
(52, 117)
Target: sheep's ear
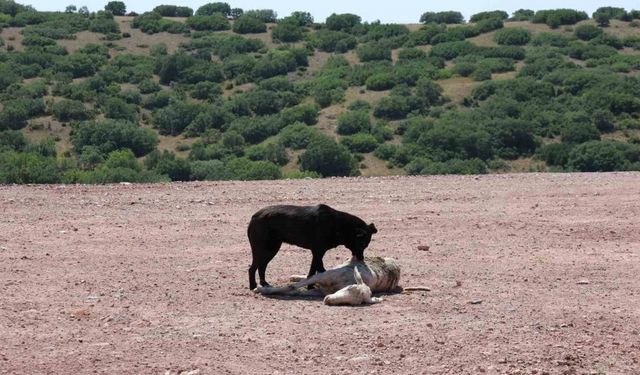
(372, 228)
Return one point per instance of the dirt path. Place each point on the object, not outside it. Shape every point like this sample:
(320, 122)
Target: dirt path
(151, 279)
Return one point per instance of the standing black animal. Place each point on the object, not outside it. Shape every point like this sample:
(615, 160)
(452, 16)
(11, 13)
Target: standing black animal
(318, 228)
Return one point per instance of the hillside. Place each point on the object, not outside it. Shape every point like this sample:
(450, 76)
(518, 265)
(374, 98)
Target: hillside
(229, 94)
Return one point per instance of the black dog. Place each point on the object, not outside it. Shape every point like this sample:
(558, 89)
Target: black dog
(318, 228)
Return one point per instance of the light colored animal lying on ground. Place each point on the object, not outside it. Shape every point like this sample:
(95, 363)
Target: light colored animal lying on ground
(349, 284)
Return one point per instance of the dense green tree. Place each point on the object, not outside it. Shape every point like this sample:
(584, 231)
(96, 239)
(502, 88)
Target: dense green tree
(248, 24)
(325, 156)
(448, 17)
(264, 15)
(174, 118)
(523, 15)
(67, 110)
(360, 142)
(117, 8)
(214, 22)
(499, 14)
(287, 32)
(352, 122)
(173, 11)
(342, 22)
(587, 32)
(512, 36)
(212, 8)
(27, 168)
(596, 156)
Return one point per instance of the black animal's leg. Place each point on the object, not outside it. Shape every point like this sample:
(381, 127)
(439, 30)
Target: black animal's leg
(316, 265)
(258, 237)
(269, 252)
(252, 276)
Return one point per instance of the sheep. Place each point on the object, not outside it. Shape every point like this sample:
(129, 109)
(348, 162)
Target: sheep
(349, 284)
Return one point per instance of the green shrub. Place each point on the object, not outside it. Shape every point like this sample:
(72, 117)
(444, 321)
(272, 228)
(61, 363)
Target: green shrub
(353, 122)
(481, 74)
(174, 118)
(287, 32)
(555, 154)
(248, 24)
(12, 140)
(512, 36)
(451, 50)
(550, 39)
(173, 11)
(411, 54)
(333, 41)
(16, 112)
(117, 108)
(298, 135)
(104, 25)
(214, 22)
(557, 17)
(464, 69)
(612, 13)
(305, 113)
(245, 169)
(373, 52)
(273, 152)
(577, 132)
(587, 32)
(166, 163)
(359, 105)
(209, 170)
(381, 81)
(448, 17)
(453, 166)
(213, 8)
(523, 15)
(256, 129)
(296, 175)
(27, 168)
(264, 15)
(360, 142)
(206, 90)
(67, 110)
(342, 22)
(596, 156)
(326, 157)
(499, 14)
(111, 135)
(513, 138)
(213, 117)
(117, 8)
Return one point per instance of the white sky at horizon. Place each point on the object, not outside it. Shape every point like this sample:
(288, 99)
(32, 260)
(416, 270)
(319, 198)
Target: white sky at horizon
(402, 11)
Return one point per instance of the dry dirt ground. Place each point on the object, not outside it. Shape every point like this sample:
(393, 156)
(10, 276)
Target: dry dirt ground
(528, 274)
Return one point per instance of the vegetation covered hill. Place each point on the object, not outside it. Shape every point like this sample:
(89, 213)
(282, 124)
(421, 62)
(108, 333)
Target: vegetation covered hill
(222, 93)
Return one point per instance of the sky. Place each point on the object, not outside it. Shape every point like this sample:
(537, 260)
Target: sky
(399, 11)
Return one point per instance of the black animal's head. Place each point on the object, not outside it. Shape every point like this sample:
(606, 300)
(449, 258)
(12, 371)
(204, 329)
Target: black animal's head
(360, 240)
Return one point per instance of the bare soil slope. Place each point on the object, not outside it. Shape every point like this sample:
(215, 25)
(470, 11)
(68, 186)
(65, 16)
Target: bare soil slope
(529, 274)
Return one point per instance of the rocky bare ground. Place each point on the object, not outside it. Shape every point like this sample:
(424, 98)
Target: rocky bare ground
(527, 274)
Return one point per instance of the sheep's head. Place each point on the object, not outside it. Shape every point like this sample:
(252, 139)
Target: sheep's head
(350, 295)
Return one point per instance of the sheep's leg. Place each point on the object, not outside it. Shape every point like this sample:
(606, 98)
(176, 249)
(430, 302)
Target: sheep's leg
(292, 289)
(319, 278)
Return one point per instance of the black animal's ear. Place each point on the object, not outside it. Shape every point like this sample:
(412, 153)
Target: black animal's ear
(372, 228)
